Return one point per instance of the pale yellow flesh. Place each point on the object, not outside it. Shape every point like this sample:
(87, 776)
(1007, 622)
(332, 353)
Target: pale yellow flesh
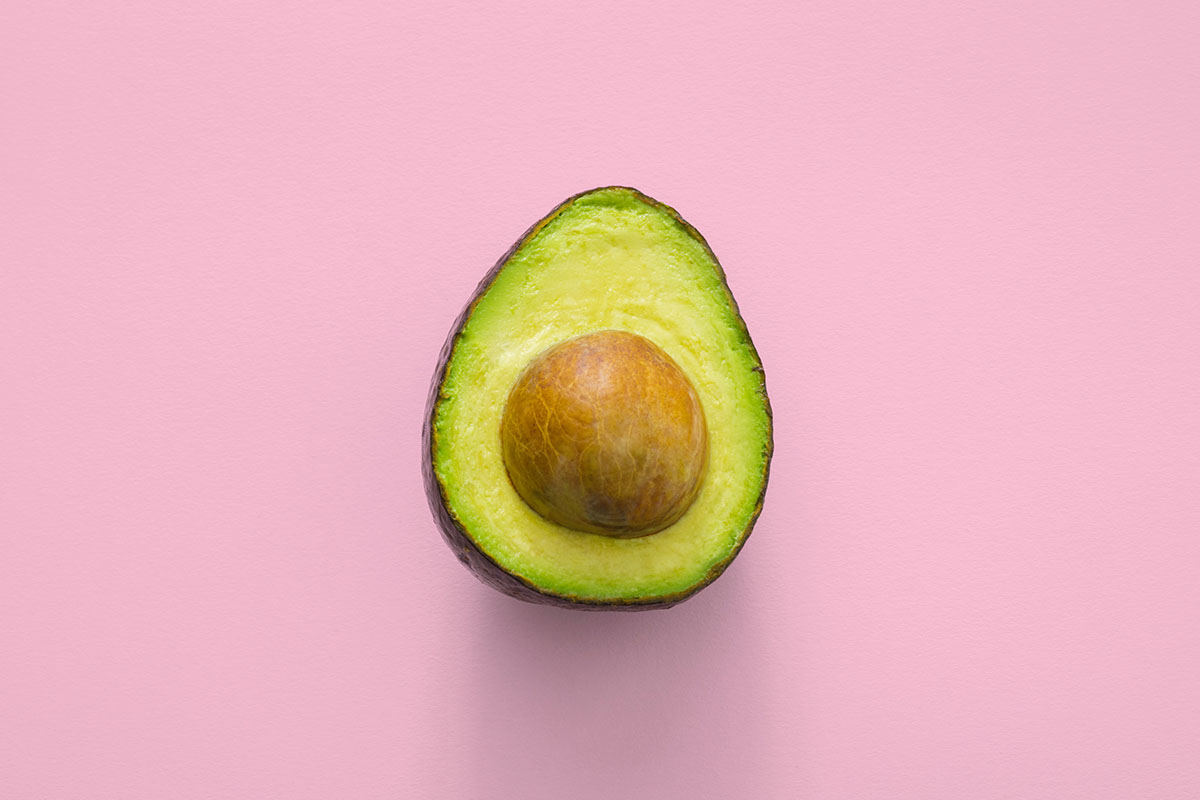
(607, 261)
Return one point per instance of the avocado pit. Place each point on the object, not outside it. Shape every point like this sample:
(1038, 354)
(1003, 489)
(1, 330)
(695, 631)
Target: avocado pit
(604, 433)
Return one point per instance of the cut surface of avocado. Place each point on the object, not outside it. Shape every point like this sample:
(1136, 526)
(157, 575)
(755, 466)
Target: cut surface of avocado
(608, 260)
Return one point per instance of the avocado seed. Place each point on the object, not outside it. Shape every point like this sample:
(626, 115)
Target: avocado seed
(604, 433)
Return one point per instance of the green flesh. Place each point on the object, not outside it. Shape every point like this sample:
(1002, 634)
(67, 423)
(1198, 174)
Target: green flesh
(609, 259)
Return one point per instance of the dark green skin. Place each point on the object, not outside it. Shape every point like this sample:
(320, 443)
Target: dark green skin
(452, 529)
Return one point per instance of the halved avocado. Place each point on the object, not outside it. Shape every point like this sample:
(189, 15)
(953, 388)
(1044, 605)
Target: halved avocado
(603, 265)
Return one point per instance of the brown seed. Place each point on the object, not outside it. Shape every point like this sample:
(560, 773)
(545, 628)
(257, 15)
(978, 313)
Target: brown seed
(604, 433)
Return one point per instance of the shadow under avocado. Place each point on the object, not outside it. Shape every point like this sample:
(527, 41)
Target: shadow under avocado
(617, 702)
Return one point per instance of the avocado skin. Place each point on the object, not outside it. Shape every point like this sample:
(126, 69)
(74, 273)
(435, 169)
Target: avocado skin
(455, 536)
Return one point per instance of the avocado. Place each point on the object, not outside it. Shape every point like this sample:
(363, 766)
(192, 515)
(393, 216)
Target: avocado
(598, 433)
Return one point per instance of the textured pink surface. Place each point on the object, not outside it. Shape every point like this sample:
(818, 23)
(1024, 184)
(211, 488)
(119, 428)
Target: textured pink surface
(965, 239)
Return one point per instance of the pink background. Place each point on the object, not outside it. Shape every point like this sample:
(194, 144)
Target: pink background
(965, 240)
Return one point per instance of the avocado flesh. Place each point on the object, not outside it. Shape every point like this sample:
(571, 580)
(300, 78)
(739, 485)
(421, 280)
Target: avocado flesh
(608, 259)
